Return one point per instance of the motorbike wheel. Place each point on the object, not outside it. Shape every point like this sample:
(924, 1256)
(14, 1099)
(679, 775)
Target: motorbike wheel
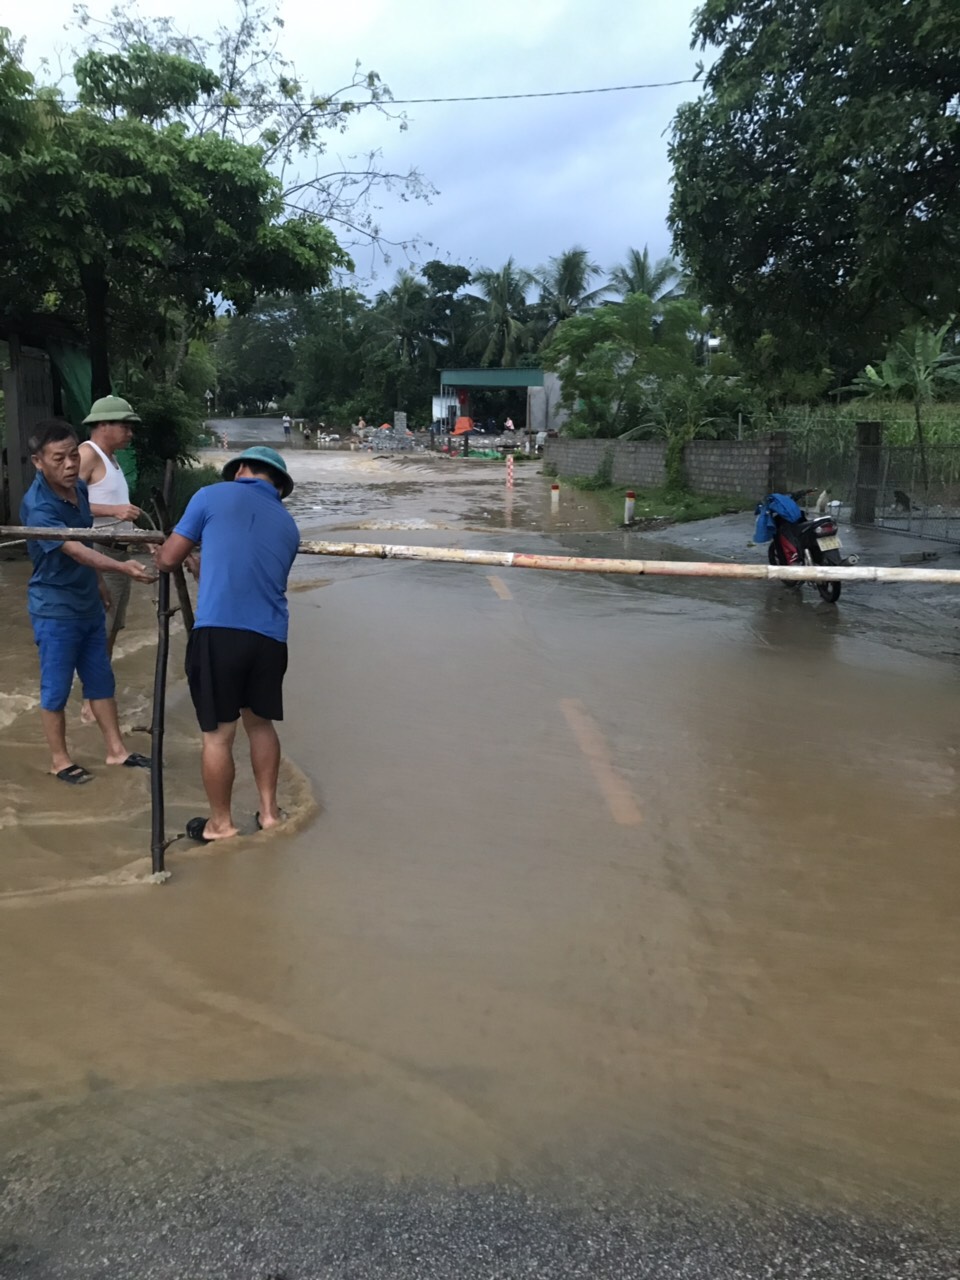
(830, 591)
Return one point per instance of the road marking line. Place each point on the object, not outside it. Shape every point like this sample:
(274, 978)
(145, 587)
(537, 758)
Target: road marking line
(613, 786)
(500, 587)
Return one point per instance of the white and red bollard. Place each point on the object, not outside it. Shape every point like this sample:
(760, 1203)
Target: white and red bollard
(554, 497)
(629, 506)
(509, 470)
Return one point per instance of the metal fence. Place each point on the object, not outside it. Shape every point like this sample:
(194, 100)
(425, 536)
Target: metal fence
(919, 493)
(818, 464)
(908, 492)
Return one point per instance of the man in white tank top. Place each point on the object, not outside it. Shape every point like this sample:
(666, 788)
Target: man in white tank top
(111, 421)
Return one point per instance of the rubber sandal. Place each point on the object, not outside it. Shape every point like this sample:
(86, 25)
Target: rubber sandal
(136, 761)
(256, 817)
(74, 775)
(194, 830)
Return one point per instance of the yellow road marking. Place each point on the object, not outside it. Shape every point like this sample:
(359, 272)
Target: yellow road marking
(500, 587)
(613, 786)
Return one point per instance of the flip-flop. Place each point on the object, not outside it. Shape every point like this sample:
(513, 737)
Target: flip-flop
(136, 761)
(256, 817)
(74, 775)
(194, 830)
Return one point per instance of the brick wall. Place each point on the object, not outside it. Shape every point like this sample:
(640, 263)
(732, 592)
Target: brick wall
(639, 462)
(741, 468)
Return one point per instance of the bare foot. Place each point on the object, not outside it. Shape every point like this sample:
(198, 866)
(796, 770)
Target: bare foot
(130, 759)
(267, 820)
(219, 833)
(205, 830)
(86, 714)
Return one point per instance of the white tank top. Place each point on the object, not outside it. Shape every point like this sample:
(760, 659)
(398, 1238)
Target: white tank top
(111, 491)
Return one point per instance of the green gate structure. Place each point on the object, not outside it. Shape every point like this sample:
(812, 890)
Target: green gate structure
(543, 391)
(463, 379)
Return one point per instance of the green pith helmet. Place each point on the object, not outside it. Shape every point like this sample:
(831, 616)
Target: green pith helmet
(111, 409)
(270, 457)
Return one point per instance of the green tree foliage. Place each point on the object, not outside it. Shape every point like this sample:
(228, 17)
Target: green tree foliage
(421, 323)
(815, 196)
(612, 360)
(918, 367)
(259, 100)
(190, 172)
(565, 289)
(338, 354)
(330, 370)
(26, 121)
(636, 369)
(403, 311)
(503, 331)
(451, 314)
(256, 352)
(639, 273)
(101, 201)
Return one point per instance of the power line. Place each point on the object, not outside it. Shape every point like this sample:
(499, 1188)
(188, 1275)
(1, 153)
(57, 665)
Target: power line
(480, 97)
(553, 93)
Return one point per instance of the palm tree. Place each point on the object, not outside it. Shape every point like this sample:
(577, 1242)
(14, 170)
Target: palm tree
(565, 288)
(660, 281)
(503, 332)
(403, 310)
(398, 347)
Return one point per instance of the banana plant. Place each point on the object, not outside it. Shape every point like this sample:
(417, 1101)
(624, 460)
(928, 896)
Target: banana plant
(916, 367)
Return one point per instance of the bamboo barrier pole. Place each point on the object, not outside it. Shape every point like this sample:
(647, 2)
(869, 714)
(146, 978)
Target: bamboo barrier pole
(133, 538)
(568, 564)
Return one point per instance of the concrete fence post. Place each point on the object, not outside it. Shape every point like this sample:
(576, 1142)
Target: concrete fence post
(777, 462)
(869, 446)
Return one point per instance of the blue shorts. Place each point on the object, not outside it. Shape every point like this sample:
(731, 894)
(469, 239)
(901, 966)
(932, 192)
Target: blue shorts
(69, 645)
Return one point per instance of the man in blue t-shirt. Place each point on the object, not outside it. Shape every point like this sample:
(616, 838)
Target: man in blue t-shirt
(237, 652)
(66, 598)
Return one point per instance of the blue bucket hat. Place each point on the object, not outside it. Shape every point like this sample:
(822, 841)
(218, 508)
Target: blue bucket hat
(270, 457)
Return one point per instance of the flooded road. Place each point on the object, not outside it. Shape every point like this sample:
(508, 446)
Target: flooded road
(595, 893)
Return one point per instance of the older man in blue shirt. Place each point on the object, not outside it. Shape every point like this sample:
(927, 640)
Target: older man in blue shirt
(66, 604)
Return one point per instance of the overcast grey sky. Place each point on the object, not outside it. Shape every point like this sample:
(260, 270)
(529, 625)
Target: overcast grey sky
(524, 178)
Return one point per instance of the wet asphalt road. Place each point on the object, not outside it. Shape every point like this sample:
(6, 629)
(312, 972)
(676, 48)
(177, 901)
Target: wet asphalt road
(270, 1222)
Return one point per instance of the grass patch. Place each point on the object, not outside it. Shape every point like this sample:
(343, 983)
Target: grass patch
(669, 506)
(589, 484)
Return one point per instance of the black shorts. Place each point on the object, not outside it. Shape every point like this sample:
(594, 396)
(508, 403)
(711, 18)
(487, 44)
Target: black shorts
(230, 669)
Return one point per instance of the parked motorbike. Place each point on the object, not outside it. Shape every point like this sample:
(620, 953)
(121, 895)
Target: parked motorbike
(804, 541)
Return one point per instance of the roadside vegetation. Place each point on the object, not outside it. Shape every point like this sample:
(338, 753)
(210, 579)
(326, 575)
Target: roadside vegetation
(165, 217)
(667, 506)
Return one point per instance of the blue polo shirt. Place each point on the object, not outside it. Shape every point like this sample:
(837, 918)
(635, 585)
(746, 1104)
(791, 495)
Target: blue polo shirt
(59, 587)
(249, 542)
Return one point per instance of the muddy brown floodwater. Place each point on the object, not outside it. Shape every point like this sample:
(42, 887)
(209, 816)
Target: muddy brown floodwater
(587, 883)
